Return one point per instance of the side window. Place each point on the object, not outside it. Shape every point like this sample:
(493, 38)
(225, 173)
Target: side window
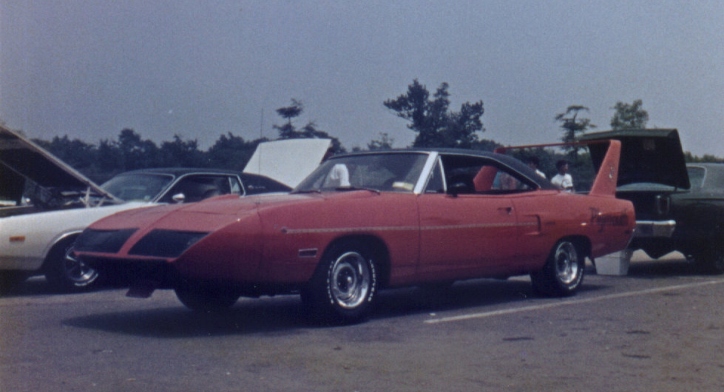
(467, 175)
(505, 181)
(460, 172)
(198, 187)
(235, 186)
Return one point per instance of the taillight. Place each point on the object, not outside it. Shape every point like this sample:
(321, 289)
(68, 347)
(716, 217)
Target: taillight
(663, 204)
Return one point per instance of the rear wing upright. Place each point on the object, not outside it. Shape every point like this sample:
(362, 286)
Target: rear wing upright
(606, 179)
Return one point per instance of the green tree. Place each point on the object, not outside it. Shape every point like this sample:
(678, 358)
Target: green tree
(231, 152)
(181, 153)
(629, 116)
(309, 131)
(432, 120)
(573, 125)
(76, 153)
(383, 143)
(135, 152)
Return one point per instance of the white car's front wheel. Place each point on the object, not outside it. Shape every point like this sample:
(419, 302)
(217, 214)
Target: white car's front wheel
(65, 272)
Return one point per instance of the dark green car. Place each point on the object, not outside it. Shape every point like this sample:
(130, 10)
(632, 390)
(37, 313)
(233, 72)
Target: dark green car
(699, 216)
(679, 207)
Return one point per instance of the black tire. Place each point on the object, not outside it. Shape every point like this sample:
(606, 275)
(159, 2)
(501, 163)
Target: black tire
(711, 259)
(66, 273)
(562, 273)
(206, 299)
(11, 279)
(344, 286)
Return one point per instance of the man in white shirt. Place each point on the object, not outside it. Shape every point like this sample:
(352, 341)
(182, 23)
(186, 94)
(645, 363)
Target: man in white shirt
(563, 180)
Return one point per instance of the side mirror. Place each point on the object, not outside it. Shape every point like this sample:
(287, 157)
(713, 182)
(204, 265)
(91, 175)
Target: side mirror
(458, 188)
(178, 198)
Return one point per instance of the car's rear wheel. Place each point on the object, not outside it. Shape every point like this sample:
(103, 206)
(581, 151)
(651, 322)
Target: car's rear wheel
(206, 298)
(66, 273)
(711, 259)
(344, 286)
(562, 273)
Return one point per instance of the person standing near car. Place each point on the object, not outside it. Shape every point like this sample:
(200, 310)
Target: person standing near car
(563, 180)
(533, 163)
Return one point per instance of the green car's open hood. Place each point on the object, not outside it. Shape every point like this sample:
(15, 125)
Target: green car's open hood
(647, 156)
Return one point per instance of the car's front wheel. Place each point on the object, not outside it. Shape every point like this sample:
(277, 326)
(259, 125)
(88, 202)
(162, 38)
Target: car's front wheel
(206, 298)
(66, 273)
(344, 286)
(563, 272)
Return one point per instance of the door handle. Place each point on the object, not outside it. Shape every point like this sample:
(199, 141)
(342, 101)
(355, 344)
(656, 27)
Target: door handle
(507, 210)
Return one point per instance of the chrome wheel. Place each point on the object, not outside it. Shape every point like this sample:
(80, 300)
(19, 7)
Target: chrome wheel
(66, 273)
(350, 280)
(343, 288)
(562, 273)
(76, 271)
(566, 263)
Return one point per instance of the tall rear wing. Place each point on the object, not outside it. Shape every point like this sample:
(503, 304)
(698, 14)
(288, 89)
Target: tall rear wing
(606, 179)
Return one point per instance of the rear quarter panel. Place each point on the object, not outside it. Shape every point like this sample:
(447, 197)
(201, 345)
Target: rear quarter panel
(606, 223)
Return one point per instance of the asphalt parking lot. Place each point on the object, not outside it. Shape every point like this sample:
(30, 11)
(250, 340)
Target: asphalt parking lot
(658, 328)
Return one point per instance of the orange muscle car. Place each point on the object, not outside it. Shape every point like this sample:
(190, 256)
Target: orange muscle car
(366, 221)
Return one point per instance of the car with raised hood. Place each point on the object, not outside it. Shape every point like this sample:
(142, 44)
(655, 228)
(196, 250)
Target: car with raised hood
(366, 221)
(47, 204)
(679, 206)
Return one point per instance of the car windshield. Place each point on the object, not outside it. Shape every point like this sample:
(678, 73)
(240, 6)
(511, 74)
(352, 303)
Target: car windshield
(392, 172)
(137, 186)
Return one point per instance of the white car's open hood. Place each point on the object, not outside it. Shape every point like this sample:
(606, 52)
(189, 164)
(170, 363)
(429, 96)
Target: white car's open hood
(288, 161)
(21, 159)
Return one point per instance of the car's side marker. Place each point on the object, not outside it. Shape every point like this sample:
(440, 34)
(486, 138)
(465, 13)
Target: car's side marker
(308, 252)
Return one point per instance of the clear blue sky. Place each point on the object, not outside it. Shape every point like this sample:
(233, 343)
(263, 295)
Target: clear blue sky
(199, 69)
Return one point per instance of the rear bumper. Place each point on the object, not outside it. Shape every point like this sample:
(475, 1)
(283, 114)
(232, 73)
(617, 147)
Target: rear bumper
(651, 229)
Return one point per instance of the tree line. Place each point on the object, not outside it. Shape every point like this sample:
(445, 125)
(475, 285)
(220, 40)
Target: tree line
(428, 115)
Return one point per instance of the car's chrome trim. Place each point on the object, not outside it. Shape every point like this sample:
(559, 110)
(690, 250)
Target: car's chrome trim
(310, 252)
(407, 228)
(646, 228)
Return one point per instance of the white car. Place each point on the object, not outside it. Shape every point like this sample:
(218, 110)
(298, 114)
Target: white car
(46, 204)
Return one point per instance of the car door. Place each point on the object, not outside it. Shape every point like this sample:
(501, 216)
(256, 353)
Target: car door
(464, 231)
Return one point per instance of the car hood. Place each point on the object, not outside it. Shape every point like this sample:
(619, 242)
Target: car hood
(288, 161)
(211, 214)
(21, 159)
(647, 156)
